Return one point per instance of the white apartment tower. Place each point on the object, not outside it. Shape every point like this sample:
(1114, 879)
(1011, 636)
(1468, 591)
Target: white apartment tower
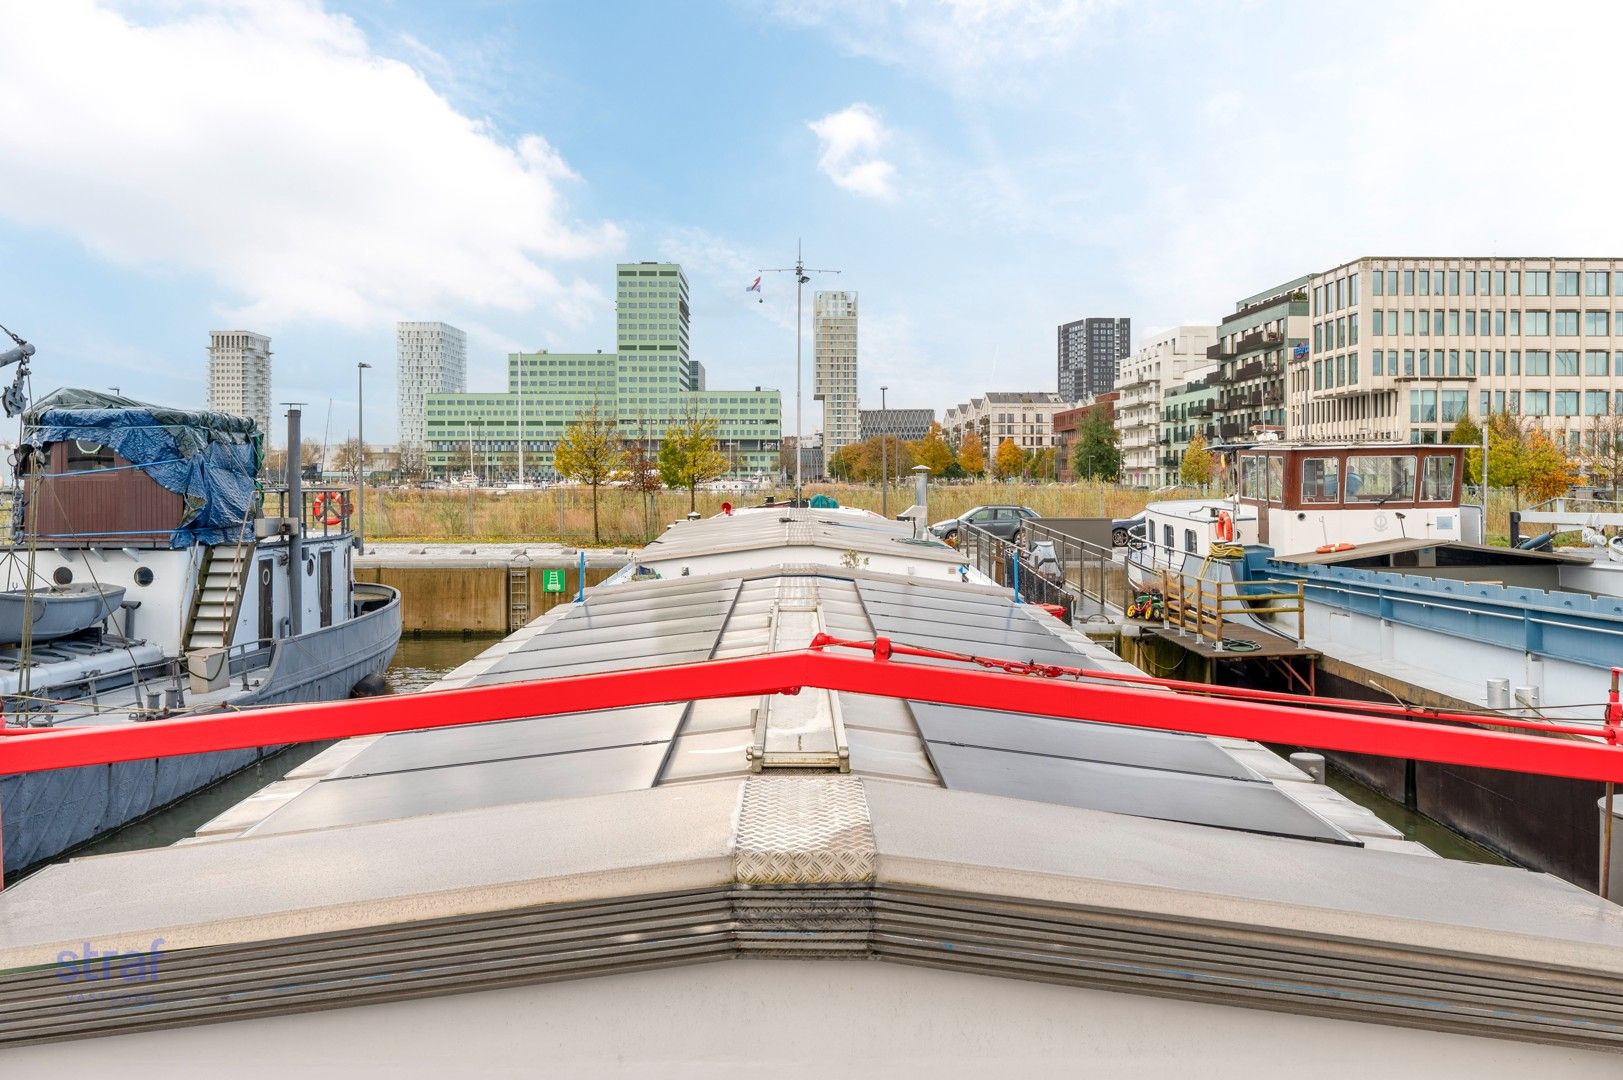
(430, 358)
(1161, 362)
(834, 369)
(240, 375)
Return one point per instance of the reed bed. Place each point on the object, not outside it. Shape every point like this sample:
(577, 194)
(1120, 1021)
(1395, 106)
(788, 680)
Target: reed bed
(564, 515)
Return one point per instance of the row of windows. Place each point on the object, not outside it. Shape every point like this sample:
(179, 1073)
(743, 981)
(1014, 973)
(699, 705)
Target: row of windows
(1495, 283)
(1453, 322)
(1458, 363)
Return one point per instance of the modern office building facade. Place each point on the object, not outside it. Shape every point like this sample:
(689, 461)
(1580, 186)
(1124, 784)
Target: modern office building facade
(909, 425)
(1164, 359)
(1089, 351)
(430, 358)
(240, 375)
(1404, 347)
(647, 385)
(1254, 346)
(834, 368)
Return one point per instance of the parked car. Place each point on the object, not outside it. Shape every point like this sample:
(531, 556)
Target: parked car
(1001, 521)
(1122, 530)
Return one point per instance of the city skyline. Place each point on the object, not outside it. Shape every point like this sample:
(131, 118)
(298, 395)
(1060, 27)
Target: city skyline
(982, 173)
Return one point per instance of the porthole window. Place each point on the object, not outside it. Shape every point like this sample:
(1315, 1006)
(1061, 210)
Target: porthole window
(143, 575)
(309, 568)
(62, 576)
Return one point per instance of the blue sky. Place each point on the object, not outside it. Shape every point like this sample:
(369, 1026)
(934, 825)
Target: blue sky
(981, 170)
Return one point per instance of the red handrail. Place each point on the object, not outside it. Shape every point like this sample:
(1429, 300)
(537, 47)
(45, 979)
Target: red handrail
(1042, 690)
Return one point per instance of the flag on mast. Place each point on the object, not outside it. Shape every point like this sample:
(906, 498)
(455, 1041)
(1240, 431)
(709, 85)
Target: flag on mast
(754, 286)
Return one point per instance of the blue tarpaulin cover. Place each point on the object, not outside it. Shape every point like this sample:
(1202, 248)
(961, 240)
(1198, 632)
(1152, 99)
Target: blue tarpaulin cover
(210, 459)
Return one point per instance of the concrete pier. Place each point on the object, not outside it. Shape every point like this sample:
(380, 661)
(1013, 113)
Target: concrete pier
(480, 588)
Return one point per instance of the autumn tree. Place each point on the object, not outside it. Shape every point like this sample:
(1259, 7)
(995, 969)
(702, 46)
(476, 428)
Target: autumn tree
(1606, 458)
(1009, 461)
(1547, 471)
(690, 455)
(1094, 453)
(932, 451)
(413, 463)
(349, 455)
(639, 472)
(1467, 433)
(971, 454)
(1525, 459)
(590, 453)
(1195, 470)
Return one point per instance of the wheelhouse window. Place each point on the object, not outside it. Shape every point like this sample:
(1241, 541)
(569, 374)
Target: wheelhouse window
(1189, 542)
(1254, 478)
(88, 457)
(1437, 479)
(1166, 537)
(1276, 478)
(1380, 478)
(1321, 480)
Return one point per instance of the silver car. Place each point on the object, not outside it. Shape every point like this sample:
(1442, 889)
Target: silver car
(1001, 521)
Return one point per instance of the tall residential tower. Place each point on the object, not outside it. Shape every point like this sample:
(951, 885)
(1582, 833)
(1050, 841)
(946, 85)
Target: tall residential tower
(240, 375)
(430, 358)
(834, 369)
(1090, 350)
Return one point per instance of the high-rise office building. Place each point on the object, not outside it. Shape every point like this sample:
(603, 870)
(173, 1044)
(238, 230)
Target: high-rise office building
(834, 369)
(240, 375)
(430, 358)
(1089, 352)
(649, 384)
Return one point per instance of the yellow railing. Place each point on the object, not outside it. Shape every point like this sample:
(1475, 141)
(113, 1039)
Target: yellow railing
(1195, 605)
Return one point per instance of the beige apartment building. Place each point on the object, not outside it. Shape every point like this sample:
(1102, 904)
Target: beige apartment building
(1163, 361)
(1402, 348)
(1027, 417)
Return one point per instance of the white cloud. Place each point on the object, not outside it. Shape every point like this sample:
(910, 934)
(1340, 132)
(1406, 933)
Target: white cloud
(975, 46)
(851, 140)
(267, 145)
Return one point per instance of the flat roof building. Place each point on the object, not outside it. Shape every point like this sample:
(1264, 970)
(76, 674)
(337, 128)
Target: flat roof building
(1089, 351)
(240, 375)
(648, 385)
(1404, 347)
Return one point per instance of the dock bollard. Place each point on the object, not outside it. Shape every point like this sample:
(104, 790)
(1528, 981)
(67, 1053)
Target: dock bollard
(1310, 763)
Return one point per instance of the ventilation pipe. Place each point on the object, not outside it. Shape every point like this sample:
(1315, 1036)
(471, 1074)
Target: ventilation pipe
(295, 538)
(920, 510)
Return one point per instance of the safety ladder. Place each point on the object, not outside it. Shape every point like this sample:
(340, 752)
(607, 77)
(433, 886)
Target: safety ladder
(214, 613)
(518, 595)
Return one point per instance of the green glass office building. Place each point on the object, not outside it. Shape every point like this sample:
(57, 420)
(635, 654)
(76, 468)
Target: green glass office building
(647, 384)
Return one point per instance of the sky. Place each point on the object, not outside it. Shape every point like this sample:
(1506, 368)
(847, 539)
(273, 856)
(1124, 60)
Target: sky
(979, 171)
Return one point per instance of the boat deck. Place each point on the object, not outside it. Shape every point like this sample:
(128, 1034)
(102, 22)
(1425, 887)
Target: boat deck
(1239, 642)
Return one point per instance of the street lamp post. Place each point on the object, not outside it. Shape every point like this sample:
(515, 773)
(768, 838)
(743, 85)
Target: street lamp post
(360, 455)
(800, 270)
(884, 464)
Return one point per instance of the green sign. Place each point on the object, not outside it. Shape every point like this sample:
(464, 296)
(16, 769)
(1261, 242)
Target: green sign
(552, 580)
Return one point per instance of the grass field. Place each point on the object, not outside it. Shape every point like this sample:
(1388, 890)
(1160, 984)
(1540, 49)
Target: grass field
(565, 514)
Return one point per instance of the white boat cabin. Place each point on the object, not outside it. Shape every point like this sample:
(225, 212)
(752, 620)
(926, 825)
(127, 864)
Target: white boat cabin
(1301, 498)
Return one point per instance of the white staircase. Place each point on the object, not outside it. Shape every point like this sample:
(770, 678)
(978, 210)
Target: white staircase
(214, 616)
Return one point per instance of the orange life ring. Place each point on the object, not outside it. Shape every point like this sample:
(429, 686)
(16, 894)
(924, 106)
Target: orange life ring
(1225, 527)
(326, 508)
(1326, 549)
